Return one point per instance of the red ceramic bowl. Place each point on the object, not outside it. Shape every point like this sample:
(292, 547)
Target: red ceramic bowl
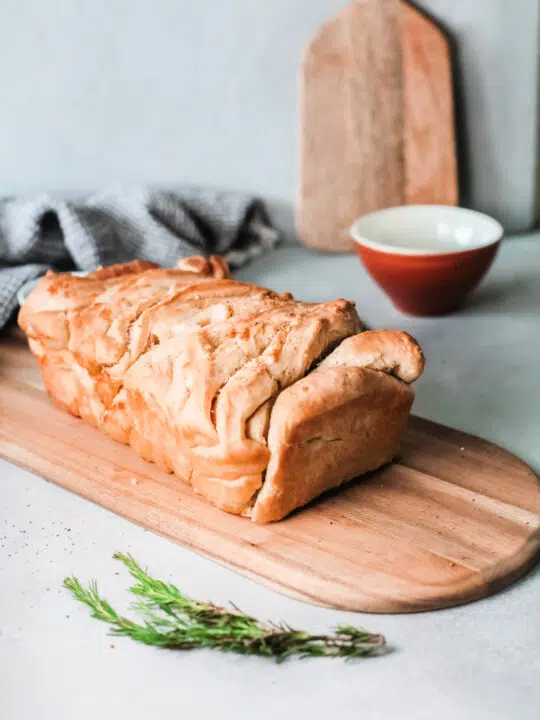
(427, 258)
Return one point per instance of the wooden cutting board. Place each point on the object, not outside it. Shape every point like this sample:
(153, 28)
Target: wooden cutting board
(376, 119)
(454, 520)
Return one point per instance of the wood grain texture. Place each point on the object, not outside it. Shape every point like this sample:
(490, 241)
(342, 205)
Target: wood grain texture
(454, 520)
(428, 128)
(351, 103)
(376, 120)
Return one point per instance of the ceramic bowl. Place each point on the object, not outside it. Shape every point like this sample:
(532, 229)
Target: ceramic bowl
(427, 258)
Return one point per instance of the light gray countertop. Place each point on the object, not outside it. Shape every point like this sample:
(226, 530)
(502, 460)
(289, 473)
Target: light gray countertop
(480, 661)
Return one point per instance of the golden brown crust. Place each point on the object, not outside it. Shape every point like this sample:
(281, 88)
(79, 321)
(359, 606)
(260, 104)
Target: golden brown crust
(218, 381)
(121, 269)
(391, 351)
(216, 267)
(331, 426)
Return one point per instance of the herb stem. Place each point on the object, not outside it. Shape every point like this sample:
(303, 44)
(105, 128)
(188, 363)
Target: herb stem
(170, 619)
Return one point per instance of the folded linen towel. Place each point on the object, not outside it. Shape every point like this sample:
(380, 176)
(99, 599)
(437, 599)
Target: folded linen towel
(117, 226)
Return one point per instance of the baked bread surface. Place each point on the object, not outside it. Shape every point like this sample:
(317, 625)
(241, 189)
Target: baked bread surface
(259, 401)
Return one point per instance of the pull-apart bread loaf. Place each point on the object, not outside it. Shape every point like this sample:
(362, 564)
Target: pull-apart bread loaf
(259, 401)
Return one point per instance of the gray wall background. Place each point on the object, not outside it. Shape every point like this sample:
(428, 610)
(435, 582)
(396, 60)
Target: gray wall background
(179, 91)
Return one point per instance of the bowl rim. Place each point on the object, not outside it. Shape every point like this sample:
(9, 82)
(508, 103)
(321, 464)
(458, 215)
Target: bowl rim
(360, 239)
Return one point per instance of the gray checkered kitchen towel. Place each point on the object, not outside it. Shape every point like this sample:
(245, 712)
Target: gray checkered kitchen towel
(121, 225)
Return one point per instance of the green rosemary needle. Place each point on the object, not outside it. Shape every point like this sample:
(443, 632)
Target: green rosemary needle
(170, 619)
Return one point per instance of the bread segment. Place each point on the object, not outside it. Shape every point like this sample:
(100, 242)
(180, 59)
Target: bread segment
(259, 401)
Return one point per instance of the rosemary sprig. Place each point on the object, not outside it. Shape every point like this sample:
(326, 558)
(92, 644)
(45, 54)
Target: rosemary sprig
(170, 619)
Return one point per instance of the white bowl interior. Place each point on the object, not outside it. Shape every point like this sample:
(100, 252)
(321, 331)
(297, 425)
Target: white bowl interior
(426, 229)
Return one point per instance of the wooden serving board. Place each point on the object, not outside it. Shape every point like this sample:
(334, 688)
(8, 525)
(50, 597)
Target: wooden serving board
(454, 520)
(376, 119)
